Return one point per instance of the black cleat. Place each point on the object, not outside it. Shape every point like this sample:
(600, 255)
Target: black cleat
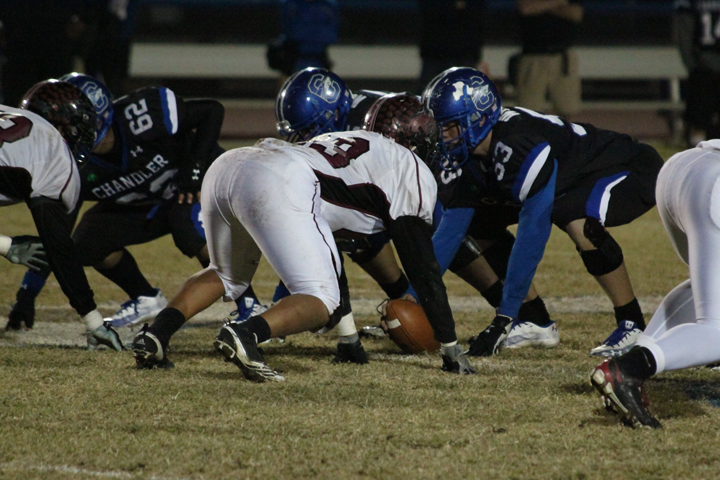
(624, 393)
(239, 346)
(489, 342)
(22, 312)
(351, 353)
(149, 351)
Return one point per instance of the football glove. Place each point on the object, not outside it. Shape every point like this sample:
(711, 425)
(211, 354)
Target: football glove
(28, 250)
(454, 361)
(190, 177)
(351, 353)
(489, 341)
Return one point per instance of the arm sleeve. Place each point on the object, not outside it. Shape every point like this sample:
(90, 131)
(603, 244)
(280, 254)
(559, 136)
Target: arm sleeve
(54, 226)
(413, 242)
(534, 227)
(206, 118)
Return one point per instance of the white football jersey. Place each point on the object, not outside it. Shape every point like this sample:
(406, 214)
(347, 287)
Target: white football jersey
(365, 179)
(29, 142)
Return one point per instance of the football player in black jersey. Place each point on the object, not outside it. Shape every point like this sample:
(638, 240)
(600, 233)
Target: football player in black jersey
(145, 172)
(547, 170)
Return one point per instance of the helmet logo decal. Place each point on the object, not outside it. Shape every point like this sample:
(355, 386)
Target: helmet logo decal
(95, 94)
(324, 87)
(477, 90)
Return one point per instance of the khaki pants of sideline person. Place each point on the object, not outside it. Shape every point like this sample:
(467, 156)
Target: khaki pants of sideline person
(542, 76)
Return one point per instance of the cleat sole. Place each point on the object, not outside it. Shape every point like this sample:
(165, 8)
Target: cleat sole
(250, 370)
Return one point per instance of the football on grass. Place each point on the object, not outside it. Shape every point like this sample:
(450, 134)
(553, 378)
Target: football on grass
(409, 328)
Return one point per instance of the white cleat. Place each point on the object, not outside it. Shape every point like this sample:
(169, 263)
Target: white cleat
(139, 310)
(528, 334)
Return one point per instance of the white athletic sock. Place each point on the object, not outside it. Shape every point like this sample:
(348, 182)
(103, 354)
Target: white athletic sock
(346, 327)
(687, 345)
(93, 320)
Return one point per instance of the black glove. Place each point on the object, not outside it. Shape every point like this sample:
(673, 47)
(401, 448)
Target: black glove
(454, 361)
(29, 251)
(489, 341)
(351, 353)
(190, 178)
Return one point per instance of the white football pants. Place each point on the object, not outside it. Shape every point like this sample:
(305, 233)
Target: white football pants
(685, 330)
(257, 201)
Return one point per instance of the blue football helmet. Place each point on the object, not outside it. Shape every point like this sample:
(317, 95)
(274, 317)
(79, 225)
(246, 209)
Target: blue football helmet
(100, 97)
(466, 97)
(311, 102)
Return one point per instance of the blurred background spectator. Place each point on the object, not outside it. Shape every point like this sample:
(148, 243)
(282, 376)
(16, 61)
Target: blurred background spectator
(105, 46)
(40, 38)
(697, 30)
(451, 35)
(308, 28)
(547, 68)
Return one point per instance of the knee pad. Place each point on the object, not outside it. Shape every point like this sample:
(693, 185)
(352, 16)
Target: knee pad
(498, 254)
(608, 256)
(466, 254)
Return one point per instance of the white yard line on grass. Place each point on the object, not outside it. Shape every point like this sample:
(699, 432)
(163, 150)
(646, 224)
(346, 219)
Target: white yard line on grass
(24, 467)
(71, 334)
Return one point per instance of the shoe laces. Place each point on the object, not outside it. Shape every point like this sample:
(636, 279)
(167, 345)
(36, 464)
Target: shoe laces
(620, 334)
(131, 306)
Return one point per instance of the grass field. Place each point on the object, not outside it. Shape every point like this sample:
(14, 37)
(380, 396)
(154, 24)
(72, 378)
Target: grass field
(67, 413)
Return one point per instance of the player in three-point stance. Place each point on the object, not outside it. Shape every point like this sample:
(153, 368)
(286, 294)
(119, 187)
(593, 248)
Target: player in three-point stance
(576, 176)
(39, 146)
(684, 332)
(286, 201)
(315, 101)
(145, 170)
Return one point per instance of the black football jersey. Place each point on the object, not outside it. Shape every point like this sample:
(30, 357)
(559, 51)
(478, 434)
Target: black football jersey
(510, 173)
(142, 167)
(707, 22)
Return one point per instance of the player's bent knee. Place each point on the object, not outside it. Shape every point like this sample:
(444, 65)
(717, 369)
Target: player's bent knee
(498, 254)
(608, 255)
(467, 253)
(598, 264)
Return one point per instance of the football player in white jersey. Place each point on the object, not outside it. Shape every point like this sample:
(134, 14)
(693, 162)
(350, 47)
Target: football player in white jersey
(286, 201)
(315, 101)
(38, 147)
(684, 332)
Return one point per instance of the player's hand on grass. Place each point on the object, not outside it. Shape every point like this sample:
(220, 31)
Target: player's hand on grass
(454, 361)
(489, 342)
(28, 250)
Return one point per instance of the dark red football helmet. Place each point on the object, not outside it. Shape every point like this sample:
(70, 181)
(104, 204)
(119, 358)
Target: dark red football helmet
(68, 109)
(401, 117)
